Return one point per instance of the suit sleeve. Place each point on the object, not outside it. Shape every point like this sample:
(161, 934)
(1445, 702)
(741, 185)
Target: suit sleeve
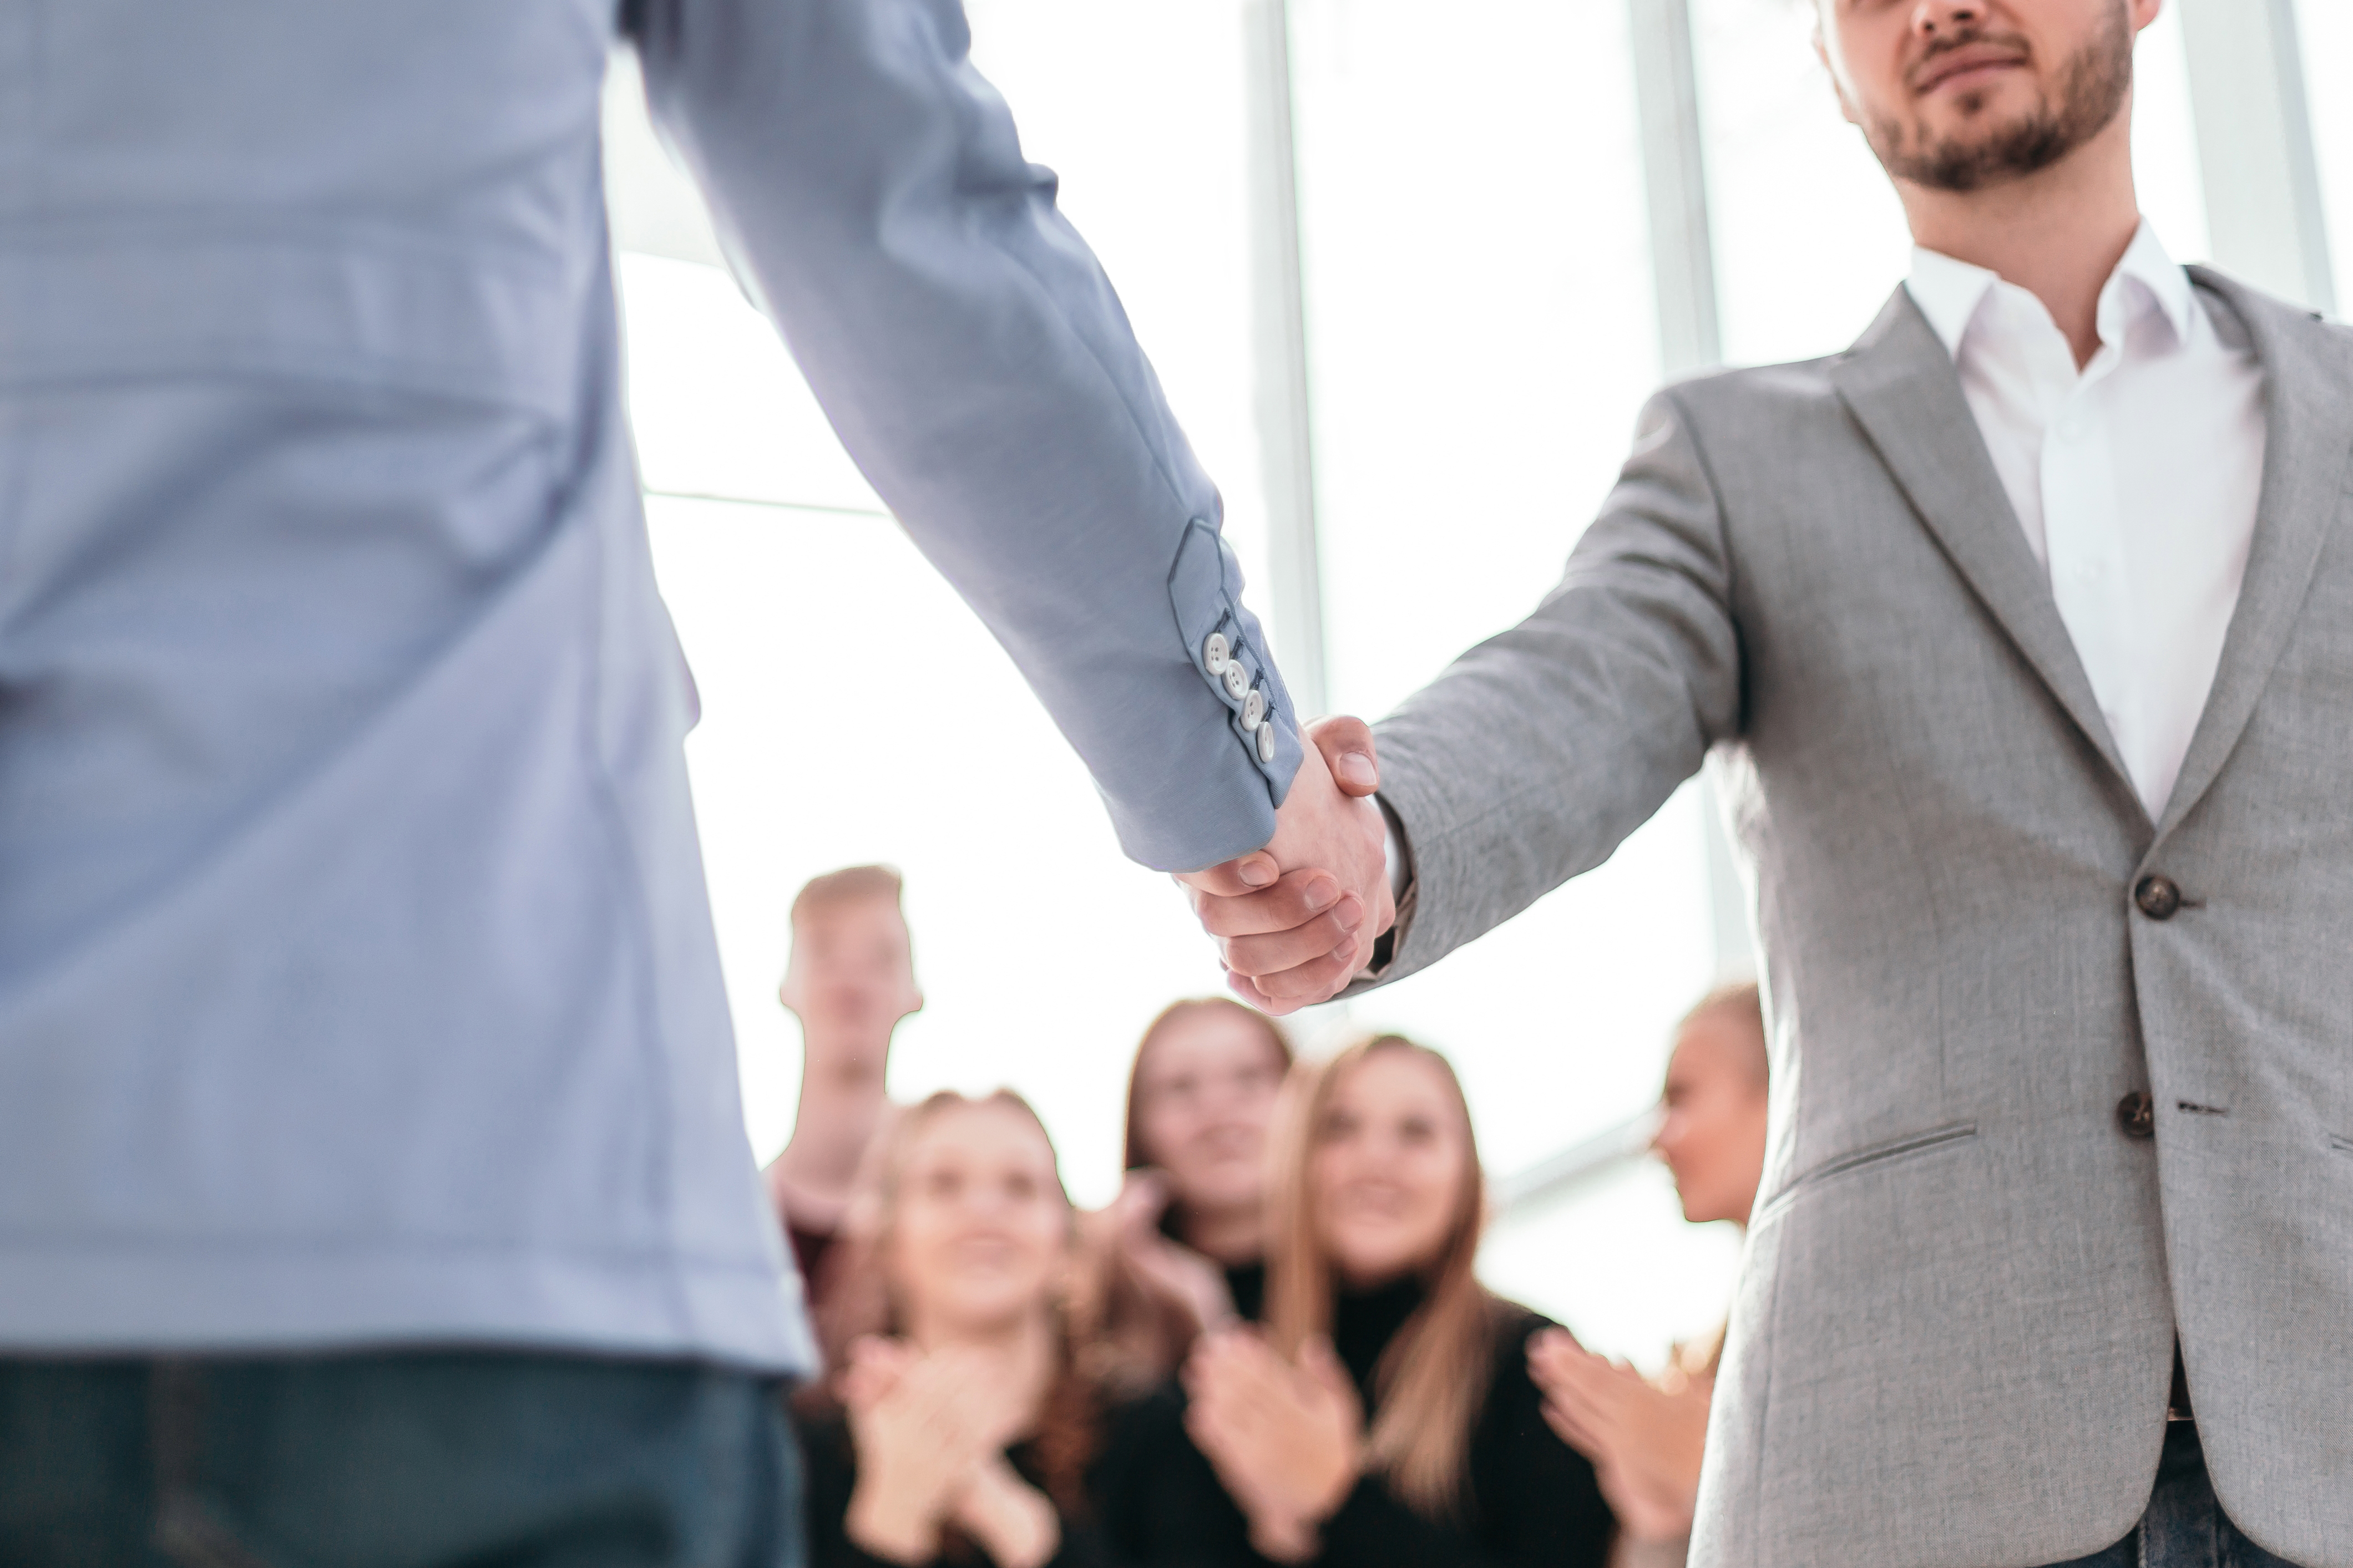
(871, 188)
(1534, 754)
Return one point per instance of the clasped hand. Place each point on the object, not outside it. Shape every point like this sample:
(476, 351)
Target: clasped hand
(1287, 1441)
(1297, 920)
(930, 1432)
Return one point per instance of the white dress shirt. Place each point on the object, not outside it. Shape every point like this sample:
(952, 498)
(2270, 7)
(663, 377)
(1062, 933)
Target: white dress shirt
(2136, 477)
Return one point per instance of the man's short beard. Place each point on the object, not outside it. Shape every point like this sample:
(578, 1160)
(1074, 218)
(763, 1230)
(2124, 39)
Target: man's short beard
(2092, 90)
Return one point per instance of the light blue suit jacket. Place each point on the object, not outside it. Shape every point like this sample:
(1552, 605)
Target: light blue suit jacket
(357, 980)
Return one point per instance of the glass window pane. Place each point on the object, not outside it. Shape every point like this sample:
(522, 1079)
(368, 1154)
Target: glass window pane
(1480, 330)
(854, 710)
(2325, 35)
(1480, 335)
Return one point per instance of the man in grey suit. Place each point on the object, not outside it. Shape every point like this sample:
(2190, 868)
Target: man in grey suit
(373, 1183)
(2022, 634)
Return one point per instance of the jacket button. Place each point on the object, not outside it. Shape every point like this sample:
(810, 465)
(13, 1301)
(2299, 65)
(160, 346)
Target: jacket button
(2137, 1114)
(1215, 651)
(2157, 898)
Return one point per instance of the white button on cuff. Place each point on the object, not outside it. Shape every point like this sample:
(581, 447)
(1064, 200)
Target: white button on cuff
(1214, 653)
(1236, 680)
(1254, 709)
(1266, 742)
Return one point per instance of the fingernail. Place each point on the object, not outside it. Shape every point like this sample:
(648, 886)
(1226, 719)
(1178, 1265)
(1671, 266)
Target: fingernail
(1321, 894)
(1351, 914)
(1258, 871)
(1355, 768)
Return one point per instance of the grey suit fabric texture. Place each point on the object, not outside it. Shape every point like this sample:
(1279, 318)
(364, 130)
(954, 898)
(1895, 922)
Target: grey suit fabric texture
(1954, 1330)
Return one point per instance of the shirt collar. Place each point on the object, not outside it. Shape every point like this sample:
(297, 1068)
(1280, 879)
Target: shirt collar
(1949, 291)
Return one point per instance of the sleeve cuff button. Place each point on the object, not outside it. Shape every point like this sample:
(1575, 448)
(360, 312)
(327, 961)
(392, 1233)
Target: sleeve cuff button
(1215, 654)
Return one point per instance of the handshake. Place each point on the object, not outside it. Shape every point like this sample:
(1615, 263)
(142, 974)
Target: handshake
(1296, 922)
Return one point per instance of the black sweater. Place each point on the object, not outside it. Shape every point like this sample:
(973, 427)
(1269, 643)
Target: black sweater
(830, 1469)
(1533, 1501)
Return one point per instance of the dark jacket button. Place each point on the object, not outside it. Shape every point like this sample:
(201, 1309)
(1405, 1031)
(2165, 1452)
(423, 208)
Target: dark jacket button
(2157, 898)
(2137, 1114)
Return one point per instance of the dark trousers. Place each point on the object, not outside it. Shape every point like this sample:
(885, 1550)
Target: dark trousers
(2184, 1527)
(415, 1460)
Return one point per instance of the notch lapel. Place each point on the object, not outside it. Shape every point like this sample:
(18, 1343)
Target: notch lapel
(2308, 462)
(1900, 386)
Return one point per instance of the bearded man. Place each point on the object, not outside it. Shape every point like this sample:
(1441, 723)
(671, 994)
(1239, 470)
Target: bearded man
(2021, 634)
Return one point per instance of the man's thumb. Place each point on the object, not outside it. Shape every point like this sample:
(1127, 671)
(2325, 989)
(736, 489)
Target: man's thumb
(1347, 747)
(1232, 878)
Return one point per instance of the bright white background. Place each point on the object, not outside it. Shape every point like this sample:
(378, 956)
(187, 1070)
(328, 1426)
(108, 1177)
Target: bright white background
(1480, 335)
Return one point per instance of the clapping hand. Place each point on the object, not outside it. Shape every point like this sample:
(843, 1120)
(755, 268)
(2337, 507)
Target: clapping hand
(1129, 1227)
(930, 1431)
(1645, 1440)
(1297, 920)
(1286, 1441)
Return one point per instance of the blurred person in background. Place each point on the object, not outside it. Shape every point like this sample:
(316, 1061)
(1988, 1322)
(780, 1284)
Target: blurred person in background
(969, 1417)
(1384, 1414)
(369, 1131)
(1646, 1437)
(1190, 1218)
(2018, 637)
(850, 981)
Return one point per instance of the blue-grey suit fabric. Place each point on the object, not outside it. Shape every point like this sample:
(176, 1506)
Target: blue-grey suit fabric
(357, 982)
(1956, 1320)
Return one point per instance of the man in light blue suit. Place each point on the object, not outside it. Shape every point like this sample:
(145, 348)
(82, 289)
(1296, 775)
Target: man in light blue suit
(373, 1184)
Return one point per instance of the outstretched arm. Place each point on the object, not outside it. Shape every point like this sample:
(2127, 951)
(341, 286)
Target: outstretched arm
(1537, 752)
(977, 364)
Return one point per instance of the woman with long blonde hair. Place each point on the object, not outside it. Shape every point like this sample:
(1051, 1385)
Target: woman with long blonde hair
(1385, 1412)
(969, 1422)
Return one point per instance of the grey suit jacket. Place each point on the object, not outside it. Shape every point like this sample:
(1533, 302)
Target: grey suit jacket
(1955, 1325)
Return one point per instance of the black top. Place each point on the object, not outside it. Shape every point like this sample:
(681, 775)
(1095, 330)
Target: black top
(1246, 1283)
(1533, 1501)
(830, 1469)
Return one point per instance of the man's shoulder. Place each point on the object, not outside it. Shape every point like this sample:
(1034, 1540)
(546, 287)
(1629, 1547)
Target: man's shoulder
(2270, 316)
(1763, 400)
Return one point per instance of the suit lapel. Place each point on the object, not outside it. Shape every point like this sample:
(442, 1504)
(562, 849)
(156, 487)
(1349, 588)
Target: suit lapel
(2308, 453)
(1900, 386)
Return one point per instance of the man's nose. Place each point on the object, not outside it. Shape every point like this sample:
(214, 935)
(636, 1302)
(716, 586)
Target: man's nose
(1939, 19)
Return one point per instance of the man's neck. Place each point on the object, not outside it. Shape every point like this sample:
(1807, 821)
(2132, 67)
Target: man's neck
(2058, 233)
(841, 1107)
